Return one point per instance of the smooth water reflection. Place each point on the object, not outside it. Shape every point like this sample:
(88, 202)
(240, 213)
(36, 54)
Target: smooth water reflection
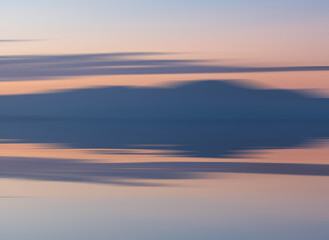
(164, 180)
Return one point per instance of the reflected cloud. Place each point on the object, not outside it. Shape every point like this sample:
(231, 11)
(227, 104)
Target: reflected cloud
(18, 68)
(125, 173)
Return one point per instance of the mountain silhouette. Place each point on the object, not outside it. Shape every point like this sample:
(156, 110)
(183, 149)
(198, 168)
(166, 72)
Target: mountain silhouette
(199, 119)
(190, 100)
(207, 119)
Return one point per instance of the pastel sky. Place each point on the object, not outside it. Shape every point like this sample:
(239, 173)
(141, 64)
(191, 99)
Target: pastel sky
(240, 33)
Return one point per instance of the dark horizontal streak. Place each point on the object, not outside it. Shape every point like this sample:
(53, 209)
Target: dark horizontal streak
(76, 171)
(52, 66)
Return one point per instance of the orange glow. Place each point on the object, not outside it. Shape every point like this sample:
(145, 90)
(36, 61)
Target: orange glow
(291, 80)
(317, 154)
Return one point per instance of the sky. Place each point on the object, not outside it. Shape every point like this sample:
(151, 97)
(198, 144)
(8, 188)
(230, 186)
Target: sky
(238, 33)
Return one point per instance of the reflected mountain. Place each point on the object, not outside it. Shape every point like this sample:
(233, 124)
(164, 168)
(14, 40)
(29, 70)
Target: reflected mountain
(210, 139)
(209, 119)
(200, 119)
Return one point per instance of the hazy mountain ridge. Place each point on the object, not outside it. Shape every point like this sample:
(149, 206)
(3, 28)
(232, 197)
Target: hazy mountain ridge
(190, 100)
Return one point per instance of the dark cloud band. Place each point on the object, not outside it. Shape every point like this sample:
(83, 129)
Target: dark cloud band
(18, 68)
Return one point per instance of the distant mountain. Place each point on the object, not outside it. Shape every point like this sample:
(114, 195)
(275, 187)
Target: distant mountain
(192, 100)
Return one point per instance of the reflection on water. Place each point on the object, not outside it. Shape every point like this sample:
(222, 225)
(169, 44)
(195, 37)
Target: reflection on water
(164, 180)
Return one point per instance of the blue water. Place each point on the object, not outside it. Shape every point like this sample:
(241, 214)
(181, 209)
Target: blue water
(97, 180)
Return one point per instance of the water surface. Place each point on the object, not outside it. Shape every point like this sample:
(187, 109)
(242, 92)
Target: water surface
(164, 180)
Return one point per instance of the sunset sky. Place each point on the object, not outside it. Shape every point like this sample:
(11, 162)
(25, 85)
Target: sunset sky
(236, 33)
(164, 119)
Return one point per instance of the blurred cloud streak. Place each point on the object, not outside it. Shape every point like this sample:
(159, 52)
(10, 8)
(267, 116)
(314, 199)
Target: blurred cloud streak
(27, 67)
(18, 40)
(127, 173)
